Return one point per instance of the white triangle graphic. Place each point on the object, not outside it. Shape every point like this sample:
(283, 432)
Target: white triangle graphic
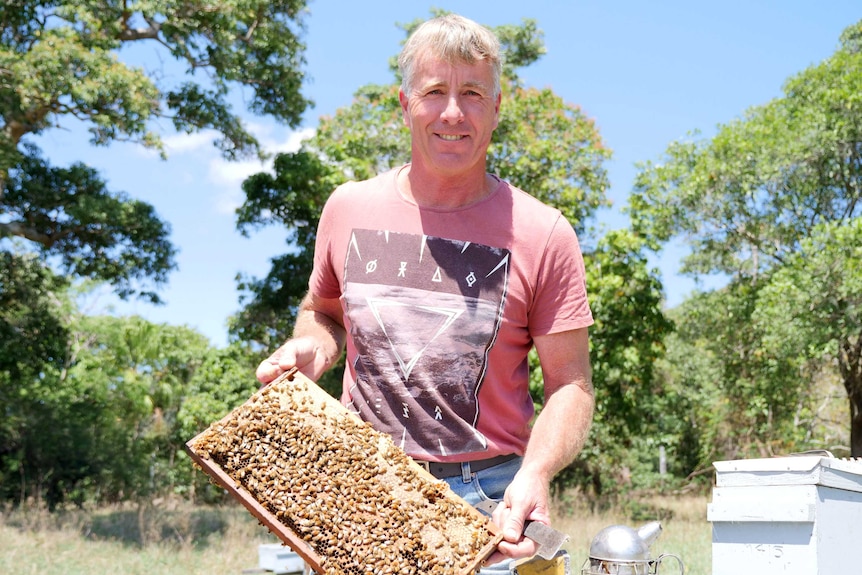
(378, 307)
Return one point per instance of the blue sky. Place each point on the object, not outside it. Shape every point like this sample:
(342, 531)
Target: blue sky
(647, 73)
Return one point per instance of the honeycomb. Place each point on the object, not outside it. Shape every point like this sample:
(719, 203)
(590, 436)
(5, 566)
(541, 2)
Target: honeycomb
(342, 495)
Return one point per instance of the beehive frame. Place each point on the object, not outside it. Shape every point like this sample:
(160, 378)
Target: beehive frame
(343, 496)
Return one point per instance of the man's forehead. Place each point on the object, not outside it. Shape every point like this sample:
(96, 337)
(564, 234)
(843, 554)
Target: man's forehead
(432, 70)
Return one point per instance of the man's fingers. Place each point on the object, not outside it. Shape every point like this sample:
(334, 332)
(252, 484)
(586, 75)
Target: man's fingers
(510, 520)
(514, 528)
(514, 545)
(273, 366)
(526, 548)
(495, 557)
(267, 371)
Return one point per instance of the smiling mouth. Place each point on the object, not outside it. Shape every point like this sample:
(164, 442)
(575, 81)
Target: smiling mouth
(451, 137)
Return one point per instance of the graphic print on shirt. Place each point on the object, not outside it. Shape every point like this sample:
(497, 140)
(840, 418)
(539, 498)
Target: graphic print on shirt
(423, 314)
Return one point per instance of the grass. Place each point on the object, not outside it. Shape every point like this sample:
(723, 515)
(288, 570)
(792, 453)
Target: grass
(183, 540)
(685, 531)
(177, 541)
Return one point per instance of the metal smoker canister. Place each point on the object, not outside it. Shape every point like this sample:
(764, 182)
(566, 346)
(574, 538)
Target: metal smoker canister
(621, 550)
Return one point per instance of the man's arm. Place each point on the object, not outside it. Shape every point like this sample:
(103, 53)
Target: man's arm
(318, 338)
(558, 435)
(561, 429)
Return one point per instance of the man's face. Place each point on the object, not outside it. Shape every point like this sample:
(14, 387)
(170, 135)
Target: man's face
(452, 112)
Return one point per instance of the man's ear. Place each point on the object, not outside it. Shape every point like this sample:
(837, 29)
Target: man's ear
(402, 98)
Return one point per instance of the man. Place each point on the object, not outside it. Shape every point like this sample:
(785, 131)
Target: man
(439, 278)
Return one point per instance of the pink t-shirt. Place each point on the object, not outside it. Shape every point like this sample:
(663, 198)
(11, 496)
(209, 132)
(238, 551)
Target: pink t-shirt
(440, 307)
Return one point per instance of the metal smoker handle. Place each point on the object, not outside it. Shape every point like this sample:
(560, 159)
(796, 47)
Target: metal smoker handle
(659, 559)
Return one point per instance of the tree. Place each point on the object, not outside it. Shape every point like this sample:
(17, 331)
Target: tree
(222, 383)
(59, 64)
(811, 312)
(89, 405)
(745, 201)
(98, 408)
(743, 400)
(104, 425)
(625, 342)
(90, 232)
(144, 372)
(33, 349)
(745, 198)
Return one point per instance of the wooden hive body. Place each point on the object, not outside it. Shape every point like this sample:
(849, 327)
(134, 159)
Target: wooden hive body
(340, 494)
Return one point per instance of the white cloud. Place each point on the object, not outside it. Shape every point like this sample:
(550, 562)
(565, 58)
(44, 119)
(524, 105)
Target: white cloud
(294, 141)
(230, 175)
(184, 143)
(225, 176)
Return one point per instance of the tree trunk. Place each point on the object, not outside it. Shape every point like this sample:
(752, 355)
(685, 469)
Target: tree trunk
(855, 428)
(850, 365)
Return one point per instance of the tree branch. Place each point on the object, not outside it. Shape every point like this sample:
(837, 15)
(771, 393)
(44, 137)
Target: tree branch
(130, 34)
(253, 27)
(21, 230)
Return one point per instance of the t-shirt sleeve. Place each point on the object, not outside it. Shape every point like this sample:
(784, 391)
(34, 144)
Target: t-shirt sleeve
(324, 281)
(560, 302)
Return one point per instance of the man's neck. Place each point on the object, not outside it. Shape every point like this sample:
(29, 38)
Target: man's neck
(441, 192)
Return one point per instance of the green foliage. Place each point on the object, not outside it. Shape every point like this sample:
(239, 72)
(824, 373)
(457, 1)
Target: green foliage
(58, 70)
(71, 218)
(553, 151)
(59, 60)
(625, 297)
(31, 331)
(748, 202)
(811, 312)
(144, 371)
(626, 341)
(744, 404)
(692, 409)
(224, 380)
(293, 198)
(98, 409)
(744, 199)
(59, 64)
(90, 405)
(33, 349)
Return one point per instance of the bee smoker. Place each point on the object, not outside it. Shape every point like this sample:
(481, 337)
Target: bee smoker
(621, 550)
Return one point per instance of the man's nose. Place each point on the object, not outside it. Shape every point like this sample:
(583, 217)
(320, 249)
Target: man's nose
(453, 112)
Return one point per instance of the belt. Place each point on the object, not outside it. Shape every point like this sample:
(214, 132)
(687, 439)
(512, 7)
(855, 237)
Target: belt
(441, 470)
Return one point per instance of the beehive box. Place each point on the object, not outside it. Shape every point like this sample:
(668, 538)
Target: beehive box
(279, 559)
(795, 515)
(339, 493)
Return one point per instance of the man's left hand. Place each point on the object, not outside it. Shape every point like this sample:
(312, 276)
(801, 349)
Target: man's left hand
(526, 498)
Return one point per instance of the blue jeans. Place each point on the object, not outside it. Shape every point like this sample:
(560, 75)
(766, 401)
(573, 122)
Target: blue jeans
(491, 483)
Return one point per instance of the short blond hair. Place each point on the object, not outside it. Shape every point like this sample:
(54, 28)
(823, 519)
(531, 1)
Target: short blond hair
(454, 39)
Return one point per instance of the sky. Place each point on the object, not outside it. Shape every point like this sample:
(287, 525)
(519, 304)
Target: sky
(647, 73)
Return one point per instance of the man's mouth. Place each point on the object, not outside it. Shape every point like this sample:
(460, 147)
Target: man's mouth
(451, 137)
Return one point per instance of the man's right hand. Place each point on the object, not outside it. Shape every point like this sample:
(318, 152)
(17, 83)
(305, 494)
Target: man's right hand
(302, 353)
(318, 341)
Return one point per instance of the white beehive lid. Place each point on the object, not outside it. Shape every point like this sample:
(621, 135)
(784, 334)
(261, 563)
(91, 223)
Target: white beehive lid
(803, 469)
(279, 559)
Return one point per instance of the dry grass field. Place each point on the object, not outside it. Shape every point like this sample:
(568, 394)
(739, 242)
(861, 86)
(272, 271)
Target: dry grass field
(179, 540)
(685, 532)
